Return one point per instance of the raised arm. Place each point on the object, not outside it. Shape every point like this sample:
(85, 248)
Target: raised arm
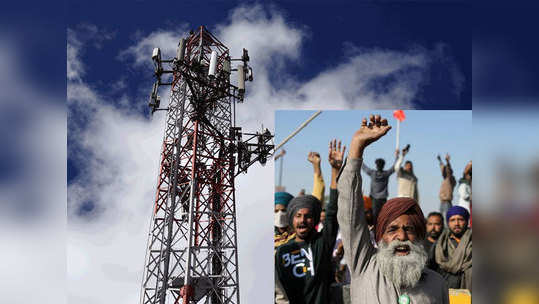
(351, 215)
(318, 180)
(449, 170)
(398, 162)
(331, 227)
(441, 164)
(392, 168)
(366, 169)
(335, 158)
(468, 168)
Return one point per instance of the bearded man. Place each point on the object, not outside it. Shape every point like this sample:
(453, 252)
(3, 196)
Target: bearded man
(453, 250)
(396, 272)
(435, 225)
(302, 265)
(303, 268)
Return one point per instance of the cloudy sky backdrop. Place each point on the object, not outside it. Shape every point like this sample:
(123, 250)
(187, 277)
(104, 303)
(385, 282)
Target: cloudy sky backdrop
(303, 57)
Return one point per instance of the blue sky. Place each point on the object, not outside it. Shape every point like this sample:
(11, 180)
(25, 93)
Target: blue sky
(332, 33)
(505, 60)
(428, 132)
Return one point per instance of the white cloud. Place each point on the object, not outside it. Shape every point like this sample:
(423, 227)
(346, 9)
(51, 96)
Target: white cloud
(274, 44)
(352, 83)
(75, 69)
(76, 38)
(264, 33)
(32, 198)
(119, 150)
(118, 154)
(166, 40)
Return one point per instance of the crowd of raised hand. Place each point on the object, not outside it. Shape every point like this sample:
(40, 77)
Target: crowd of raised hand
(356, 248)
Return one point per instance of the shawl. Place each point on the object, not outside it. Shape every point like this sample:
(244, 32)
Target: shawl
(456, 260)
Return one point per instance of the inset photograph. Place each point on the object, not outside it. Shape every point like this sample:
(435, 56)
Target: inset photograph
(373, 206)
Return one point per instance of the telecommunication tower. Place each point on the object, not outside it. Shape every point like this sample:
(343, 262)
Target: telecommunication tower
(192, 245)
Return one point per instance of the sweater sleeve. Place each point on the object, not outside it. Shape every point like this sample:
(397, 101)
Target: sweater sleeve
(331, 226)
(366, 169)
(393, 167)
(351, 217)
(319, 188)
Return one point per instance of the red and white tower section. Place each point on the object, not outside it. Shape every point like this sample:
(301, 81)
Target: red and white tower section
(192, 254)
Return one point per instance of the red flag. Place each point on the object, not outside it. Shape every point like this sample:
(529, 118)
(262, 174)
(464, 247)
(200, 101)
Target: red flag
(399, 115)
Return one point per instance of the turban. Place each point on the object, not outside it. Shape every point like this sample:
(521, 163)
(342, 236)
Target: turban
(306, 201)
(282, 198)
(457, 210)
(367, 202)
(396, 207)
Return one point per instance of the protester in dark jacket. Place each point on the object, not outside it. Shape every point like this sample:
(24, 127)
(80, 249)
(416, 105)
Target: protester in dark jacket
(303, 265)
(379, 181)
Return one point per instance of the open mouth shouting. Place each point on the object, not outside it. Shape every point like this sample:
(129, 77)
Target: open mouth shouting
(402, 250)
(302, 229)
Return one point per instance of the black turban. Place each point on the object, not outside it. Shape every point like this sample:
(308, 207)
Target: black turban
(305, 201)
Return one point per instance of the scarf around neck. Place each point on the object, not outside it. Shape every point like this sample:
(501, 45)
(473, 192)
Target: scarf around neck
(457, 259)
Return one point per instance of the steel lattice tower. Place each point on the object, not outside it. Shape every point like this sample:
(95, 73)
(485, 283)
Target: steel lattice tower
(192, 245)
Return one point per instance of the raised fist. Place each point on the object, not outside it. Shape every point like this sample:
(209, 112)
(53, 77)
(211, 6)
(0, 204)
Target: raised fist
(367, 134)
(314, 158)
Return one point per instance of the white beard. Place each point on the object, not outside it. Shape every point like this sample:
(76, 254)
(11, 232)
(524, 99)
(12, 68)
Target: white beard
(404, 271)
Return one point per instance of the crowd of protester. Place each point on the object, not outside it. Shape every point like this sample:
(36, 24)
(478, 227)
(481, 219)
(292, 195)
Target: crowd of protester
(371, 249)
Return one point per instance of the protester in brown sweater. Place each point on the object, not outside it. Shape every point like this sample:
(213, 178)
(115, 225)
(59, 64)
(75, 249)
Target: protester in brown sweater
(448, 184)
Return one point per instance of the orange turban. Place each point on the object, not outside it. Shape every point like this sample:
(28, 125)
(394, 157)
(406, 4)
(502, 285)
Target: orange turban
(396, 207)
(367, 202)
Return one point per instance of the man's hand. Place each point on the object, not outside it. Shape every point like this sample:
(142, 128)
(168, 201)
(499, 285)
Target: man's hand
(314, 158)
(447, 157)
(397, 153)
(335, 154)
(339, 252)
(405, 150)
(468, 168)
(367, 134)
